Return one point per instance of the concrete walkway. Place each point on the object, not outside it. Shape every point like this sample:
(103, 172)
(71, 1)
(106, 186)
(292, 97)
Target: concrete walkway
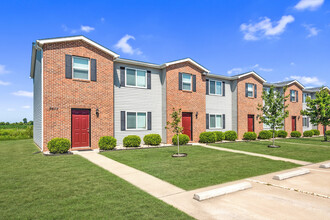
(256, 154)
(150, 184)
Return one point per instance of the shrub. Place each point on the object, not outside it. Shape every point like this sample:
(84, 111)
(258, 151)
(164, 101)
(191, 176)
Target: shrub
(230, 135)
(29, 131)
(207, 137)
(316, 132)
(295, 134)
(265, 134)
(183, 139)
(308, 133)
(132, 141)
(152, 139)
(58, 145)
(250, 136)
(327, 133)
(282, 134)
(107, 143)
(220, 135)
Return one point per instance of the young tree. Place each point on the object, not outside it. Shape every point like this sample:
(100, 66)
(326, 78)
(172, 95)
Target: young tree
(175, 125)
(318, 109)
(274, 109)
(24, 120)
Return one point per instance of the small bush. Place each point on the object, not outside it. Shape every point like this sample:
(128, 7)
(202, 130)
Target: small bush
(132, 141)
(29, 131)
(220, 135)
(295, 134)
(230, 135)
(207, 137)
(308, 133)
(107, 143)
(265, 134)
(152, 139)
(316, 132)
(327, 133)
(282, 134)
(250, 136)
(183, 139)
(58, 145)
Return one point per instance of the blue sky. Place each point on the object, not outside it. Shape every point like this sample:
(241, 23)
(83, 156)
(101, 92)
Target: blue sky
(279, 39)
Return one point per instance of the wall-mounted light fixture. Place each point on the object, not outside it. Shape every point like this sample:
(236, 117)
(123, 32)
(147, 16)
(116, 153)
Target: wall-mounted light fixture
(299, 117)
(97, 112)
(196, 115)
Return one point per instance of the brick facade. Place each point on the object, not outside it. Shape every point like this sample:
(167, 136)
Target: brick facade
(294, 109)
(248, 105)
(192, 102)
(64, 94)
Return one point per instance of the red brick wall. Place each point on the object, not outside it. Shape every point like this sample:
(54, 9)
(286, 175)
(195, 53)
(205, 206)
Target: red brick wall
(294, 110)
(248, 106)
(187, 101)
(65, 94)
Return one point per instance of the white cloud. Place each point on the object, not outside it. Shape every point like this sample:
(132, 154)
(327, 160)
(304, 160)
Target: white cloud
(102, 20)
(265, 69)
(313, 31)
(256, 67)
(123, 45)
(23, 93)
(2, 83)
(11, 109)
(3, 69)
(26, 106)
(308, 4)
(265, 28)
(235, 71)
(292, 64)
(86, 28)
(307, 80)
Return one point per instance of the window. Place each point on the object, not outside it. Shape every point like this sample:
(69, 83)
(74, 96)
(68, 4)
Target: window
(137, 78)
(186, 81)
(267, 89)
(215, 87)
(80, 68)
(250, 89)
(136, 121)
(215, 121)
(305, 122)
(305, 95)
(293, 95)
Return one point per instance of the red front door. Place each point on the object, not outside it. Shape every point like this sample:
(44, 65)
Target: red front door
(293, 123)
(250, 123)
(186, 124)
(80, 128)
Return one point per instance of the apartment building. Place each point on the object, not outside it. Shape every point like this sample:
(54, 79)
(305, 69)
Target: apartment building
(83, 91)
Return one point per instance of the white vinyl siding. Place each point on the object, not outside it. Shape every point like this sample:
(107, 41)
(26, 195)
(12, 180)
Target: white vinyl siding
(186, 82)
(136, 78)
(136, 121)
(80, 68)
(215, 87)
(250, 89)
(215, 121)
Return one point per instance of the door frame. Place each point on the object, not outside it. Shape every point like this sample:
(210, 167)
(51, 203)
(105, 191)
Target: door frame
(191, 123)
(253, 128)
(90, 130)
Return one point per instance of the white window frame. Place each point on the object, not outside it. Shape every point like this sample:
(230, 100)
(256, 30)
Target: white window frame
(221, 121)
(215, 81)
(295, 98)
(250, 91)
(136, 86)
(186, 82)
(305, 119)
(89, 67)
(136, 118)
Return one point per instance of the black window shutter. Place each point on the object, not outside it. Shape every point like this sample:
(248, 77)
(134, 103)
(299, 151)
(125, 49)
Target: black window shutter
(68, 66)
(149, 120)
(122, 76)
(223, 88)
(224, 121)
(297, 96)
(246, 90)
(207, 121)
(180, 81)
(255, 90)
(194, 82)
(93, 70)
(148, 79)
(207, 86)
(122, 120)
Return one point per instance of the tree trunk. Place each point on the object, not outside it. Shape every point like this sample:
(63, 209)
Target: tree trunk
(273, 137)
(178, 144)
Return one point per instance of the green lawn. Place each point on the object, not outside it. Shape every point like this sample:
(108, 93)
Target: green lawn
(34, 186)
(311, 150)
(203, 167)
(318, 141)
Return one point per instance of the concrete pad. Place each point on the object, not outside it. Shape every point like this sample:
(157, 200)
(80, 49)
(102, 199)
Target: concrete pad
(222, 191)
(326, 165)
(287, 175)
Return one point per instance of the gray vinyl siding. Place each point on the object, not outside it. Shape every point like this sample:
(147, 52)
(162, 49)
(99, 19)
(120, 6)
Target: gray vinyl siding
(216, 104)
(137, 100)
(164, 111)
(37, 101)
(234, 105)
